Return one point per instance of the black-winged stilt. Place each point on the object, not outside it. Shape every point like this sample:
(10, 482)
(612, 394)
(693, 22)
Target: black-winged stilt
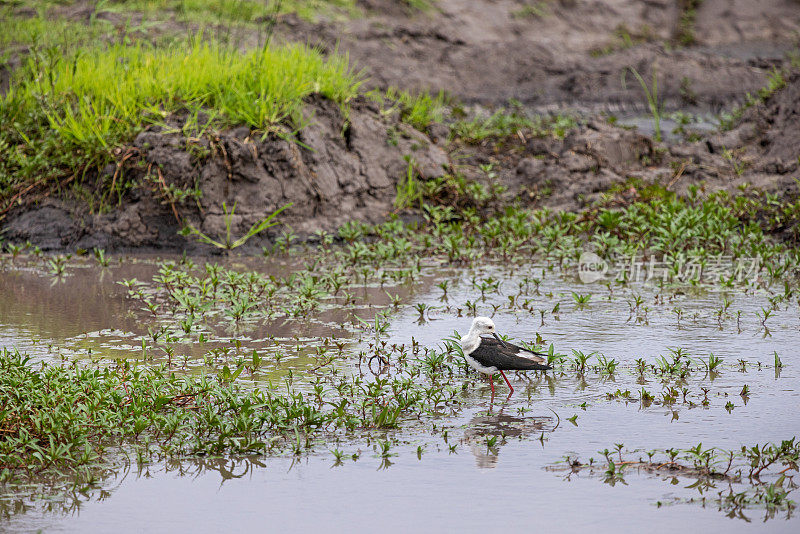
(489, 356)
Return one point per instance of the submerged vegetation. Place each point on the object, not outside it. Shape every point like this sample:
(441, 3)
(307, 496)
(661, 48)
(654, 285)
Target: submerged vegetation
(75, 421)
(693, 241)
(741, 471)
(69, 418)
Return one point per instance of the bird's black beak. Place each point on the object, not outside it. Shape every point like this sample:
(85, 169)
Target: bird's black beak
(500, 340)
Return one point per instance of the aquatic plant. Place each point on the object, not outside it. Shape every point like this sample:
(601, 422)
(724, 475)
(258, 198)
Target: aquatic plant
(741, 470)
(229, 243)
(65, 418)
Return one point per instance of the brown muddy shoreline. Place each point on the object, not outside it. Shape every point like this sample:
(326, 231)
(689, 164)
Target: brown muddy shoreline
(481, 52)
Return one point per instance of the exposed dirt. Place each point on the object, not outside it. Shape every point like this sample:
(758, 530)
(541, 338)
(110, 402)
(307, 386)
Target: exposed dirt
(565, 53)
(573, 172)
(762, 151)
(337, 174)
(770, 131)
(557, 53)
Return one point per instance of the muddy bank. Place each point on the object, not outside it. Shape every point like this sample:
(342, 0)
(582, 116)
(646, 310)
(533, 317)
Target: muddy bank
(769, 131)
(340, 171)
(546, 55)
(336, 171)
(566, 53)
(761, 152)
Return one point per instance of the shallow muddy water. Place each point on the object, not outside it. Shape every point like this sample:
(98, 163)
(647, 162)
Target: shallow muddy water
(458, 480)
(443, 493)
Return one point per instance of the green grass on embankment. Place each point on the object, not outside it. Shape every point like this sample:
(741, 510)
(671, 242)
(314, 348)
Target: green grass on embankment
(68, 113)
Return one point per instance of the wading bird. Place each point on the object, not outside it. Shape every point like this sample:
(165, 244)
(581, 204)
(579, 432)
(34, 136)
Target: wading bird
(489, 356)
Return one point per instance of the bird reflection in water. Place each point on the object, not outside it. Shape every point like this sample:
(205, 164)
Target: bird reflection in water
(228, 468)
(486, 433)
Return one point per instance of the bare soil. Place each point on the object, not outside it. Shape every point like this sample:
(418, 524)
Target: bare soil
(565, 53)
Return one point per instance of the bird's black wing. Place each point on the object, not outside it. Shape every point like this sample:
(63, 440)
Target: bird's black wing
(508, 357)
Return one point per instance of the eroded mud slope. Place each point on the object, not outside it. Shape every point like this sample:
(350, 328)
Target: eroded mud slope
(336, 172)
(762, 151)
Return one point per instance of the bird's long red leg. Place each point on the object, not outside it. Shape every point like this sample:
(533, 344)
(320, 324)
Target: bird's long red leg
(491, 383)
(507, 382)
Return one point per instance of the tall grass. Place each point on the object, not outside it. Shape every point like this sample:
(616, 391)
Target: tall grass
(80, 107)
(97, 96)
(651, 95)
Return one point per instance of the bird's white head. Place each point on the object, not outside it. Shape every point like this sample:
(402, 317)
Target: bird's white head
(482, 325)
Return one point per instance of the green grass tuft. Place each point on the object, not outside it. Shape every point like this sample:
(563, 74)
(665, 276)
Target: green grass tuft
(100, 96)
(503, 124)
(72, 111)
(421, 110)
